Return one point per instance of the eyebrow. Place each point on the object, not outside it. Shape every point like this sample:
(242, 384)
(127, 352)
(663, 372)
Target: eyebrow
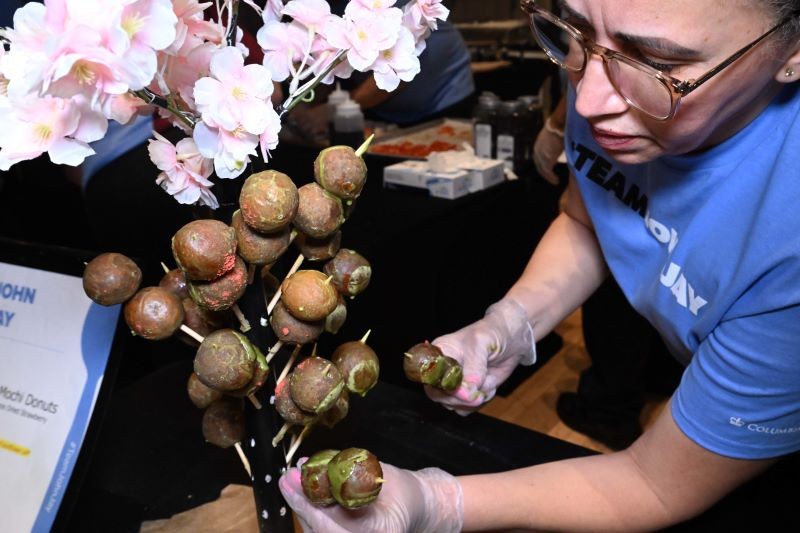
(655, 44)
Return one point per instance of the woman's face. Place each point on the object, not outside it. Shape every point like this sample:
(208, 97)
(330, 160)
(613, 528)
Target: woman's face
(690, 37)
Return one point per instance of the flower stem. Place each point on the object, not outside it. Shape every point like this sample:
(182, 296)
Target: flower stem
(301, 93)
(234, 20)
(152, 98)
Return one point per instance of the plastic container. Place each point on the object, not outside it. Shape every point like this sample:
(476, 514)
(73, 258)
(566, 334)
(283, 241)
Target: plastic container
(336, 98)
(348, 125)
(485, 116)
(509, 133)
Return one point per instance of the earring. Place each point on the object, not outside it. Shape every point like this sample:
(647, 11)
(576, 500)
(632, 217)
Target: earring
(789, 72)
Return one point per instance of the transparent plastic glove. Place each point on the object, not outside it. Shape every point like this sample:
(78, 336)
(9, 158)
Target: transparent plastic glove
(488, 350)
(548, 146)
(427, 500)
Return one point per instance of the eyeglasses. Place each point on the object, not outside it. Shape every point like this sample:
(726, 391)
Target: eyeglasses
(643, 87)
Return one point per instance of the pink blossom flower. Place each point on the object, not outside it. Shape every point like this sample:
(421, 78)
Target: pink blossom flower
(364, 33)
(33, 126)
(230, 150)
(184, 171)
(425, 13)
(312, 14)
(272, 11)
(284, 44)
(397, 63)
(235, 96)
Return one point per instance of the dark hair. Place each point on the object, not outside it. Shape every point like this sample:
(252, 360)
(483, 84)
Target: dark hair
(781, 9)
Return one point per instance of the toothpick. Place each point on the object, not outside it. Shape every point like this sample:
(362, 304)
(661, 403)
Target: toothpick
(364, 338)
(273, 351)
(408, 355)
(277, 296)
(297, 444)
(364, 147)
(244, 325)
(243, 457)
(192, 333)
(289, 363)
(165, 267)
(281, 434)
(254, 401)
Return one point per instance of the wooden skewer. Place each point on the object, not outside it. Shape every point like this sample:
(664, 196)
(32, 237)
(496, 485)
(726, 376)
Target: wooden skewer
(244, 325)
(364, 147)
(273, 351)
(281, 434)
(165, 267)
(254, 401)
(243, 457)
(296, 445)
(277, 296)
(192, 333)
(289, 363)
(364, 338)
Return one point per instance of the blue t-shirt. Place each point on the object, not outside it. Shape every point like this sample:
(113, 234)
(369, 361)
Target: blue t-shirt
(707, 247)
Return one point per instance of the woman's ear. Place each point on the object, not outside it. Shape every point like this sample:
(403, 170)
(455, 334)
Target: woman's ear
(790, 70)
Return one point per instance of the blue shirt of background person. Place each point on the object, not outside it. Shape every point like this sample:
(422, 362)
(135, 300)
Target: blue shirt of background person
(445, 77)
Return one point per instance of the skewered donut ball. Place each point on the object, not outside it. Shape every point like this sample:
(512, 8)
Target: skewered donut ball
(337, 412)
(175, 282)
(221, 293)
(154, 313)
(350, 271)
(358, 365)
(309, 295)
(205, 249)
(201, 395)
(424, 363)
(259, 248)
(291, 330)
(223, 422)
(356, 477)
(314, 478)
(201, 321)
(315, 385)
(111, 278)
(268, 201)
(225, 360)
(336, 318)
(320, 213)
(452, 376)
(289, 410)
(318, 249)
(339, 170)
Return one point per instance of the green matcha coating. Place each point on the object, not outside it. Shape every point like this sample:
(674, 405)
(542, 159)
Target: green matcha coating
(314, 478)
(424, 363)
(359, 366)
(453, 374)
(356, 477)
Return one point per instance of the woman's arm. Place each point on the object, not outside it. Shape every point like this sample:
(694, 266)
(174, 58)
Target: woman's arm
(566, 268)
(662, 479)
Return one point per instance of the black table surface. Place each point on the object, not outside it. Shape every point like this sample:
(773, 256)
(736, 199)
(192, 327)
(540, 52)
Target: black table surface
(151, 461)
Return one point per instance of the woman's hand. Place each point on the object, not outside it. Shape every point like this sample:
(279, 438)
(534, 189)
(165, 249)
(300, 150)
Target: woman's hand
(489, 350)
(425, 500)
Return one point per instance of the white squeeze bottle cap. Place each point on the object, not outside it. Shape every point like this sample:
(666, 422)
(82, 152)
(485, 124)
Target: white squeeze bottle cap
(334, 99)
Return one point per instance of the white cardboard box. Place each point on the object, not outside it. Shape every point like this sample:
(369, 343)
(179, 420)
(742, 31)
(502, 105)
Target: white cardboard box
(450, 185)
(484, 173)
(409, 173)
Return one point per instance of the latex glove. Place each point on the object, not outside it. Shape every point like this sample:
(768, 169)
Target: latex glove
(548, 146)
(428, 500)
(489, 350)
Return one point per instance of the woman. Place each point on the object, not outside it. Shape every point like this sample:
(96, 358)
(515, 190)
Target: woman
(687, 191)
